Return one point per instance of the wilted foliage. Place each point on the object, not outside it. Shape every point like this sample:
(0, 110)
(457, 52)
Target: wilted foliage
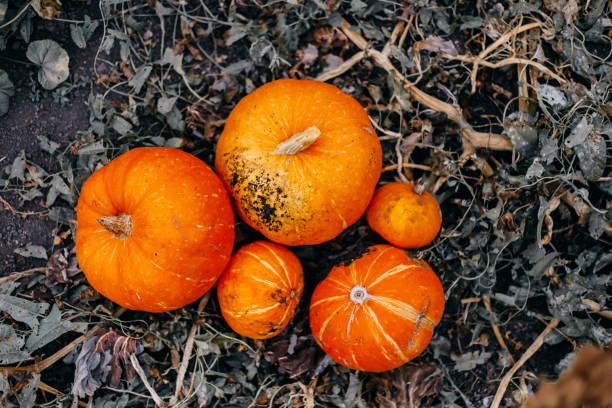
(500, 109)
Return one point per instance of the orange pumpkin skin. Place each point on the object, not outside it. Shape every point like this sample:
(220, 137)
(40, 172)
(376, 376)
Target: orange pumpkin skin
(182, 229)
(403, 217)
(379, 312)
(310, 196)
(260, 289)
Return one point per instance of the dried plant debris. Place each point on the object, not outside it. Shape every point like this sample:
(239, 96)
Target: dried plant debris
(102, 359)
(526, 204)
(587, 382)
(408, 385)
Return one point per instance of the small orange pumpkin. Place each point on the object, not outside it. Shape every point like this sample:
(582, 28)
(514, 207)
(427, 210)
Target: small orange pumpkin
(379, 311)
(155, 229)
(403, 217)
(260, 289)
(300, 159)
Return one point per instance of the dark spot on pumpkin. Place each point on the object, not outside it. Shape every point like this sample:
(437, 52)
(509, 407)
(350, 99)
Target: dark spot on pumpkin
(283, 300)
(257, 192)
(156, 254)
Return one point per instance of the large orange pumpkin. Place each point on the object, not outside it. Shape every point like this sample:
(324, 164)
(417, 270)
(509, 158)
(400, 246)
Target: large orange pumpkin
(379, 311)
(260, 289)
(403, 217)
(155, 229)
(300, 159)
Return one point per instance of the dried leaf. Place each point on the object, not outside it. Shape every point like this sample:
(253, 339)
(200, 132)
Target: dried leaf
(175, 120)
(53, 62)
(121, 125)
(469, 361)
(408, 385)
(592, 155)
(32, 251)
(6, 91)
(28, 393)
(307, 56)
(108, 352)
(76, 32)
(552, 96)
(140, 77)
(50, 328)
(23, 310)
(436, 44)
(11, 346)
(165, 104)
(47, 9)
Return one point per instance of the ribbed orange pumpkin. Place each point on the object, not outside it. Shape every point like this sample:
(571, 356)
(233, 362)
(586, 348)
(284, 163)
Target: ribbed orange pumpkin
(403, 217)
(155, 229)
(378, 312)
(300, 159)
(260, 289)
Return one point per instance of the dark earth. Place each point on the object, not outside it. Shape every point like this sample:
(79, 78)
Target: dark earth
(27, 119)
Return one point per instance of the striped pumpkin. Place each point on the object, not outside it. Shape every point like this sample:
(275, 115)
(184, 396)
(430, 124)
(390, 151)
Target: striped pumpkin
(260, 289)
(379, 311)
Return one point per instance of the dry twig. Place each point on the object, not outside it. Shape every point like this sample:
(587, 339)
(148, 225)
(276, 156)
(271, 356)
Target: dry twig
(18, 275)
(187, 354)
(535, 346)
(143, 377)
(487, 302)
(475, 139)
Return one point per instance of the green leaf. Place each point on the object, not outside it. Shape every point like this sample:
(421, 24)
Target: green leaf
(51, 327)
(6, 90)
(22, 310)
(32, 251)
(53, 62)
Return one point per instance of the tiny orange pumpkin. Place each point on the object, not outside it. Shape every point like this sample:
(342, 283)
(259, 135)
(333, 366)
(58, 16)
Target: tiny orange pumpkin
(379, 311)
(260, 289)
(300, 159)
(403, 217)
(155, 229)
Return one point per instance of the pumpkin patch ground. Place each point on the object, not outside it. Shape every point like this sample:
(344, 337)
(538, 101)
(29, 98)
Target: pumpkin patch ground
(498, 111)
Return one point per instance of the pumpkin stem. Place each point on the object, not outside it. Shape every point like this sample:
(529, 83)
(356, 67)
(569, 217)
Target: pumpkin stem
(120, 225)
(298, 142)
(359, 294)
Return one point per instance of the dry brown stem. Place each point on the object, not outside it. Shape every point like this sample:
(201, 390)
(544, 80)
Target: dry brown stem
(18, 275)
(9, 207)
(505, 62)
(187, 354)
(47, 388)
(475, 139)
(501, 40)
(143, 377)
(487, 302)
(535, 346)
(345, 66)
